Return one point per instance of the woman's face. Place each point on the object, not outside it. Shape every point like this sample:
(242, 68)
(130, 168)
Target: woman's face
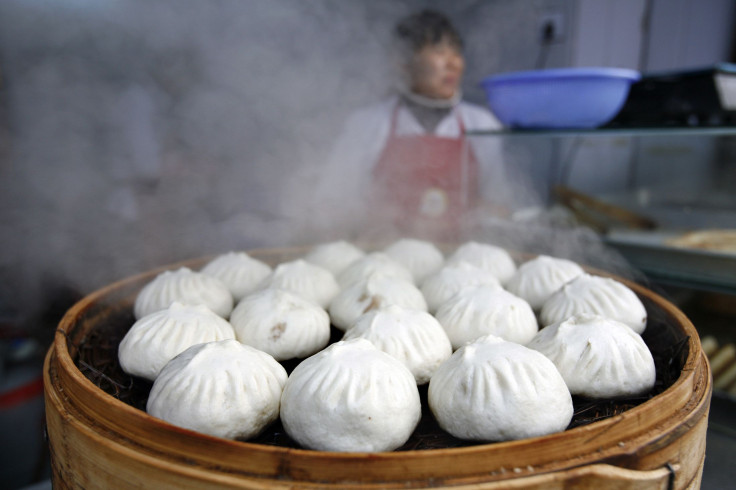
(437, 70)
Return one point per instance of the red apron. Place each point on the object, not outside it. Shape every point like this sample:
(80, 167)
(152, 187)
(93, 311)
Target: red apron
(426, 183)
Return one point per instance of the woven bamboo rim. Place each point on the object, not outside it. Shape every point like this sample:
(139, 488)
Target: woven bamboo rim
(631, 441)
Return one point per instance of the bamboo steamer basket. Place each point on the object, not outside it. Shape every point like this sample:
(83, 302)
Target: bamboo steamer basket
(98, 441)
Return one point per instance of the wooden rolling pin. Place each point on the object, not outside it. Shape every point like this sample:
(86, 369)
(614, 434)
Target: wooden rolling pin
(722, 363)
(598, 214)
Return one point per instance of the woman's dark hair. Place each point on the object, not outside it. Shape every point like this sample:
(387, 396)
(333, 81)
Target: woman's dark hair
(426, 28)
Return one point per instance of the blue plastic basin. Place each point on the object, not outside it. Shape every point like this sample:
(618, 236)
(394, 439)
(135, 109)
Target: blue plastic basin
(559, 98)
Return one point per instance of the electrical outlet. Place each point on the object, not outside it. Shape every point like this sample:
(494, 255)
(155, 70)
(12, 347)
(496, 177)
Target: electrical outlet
(551, 27)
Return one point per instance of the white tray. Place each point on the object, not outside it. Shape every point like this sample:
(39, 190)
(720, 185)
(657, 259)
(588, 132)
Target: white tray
(701, 269)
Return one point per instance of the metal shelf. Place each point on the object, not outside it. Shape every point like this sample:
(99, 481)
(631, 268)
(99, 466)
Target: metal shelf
(608, 132)
(692, 269)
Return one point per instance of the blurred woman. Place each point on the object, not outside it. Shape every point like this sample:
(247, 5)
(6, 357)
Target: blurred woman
(413, 166)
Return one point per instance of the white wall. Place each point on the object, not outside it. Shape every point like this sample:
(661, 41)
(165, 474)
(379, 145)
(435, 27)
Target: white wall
(608, 33)
(690, 33)
(676, 35)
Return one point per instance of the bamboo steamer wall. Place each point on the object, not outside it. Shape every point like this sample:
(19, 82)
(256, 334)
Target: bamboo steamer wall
(97, 441)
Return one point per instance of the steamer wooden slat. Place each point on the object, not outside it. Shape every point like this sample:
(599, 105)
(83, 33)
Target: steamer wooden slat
(98, 441)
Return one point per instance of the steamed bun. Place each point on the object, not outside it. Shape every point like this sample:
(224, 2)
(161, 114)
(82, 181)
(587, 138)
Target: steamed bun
(240, 272)
(374, 291)
(374, 262)
(157, 338)
(413, 337)
(537, 279)
(486, 310)
(351, 397)
(185, 286)
(451, 279)
(224, 389)
(334, 256)
(598, 295)
(493, 390)
(305, 279)
(598, 357)
(281, 324)
(421, 257)
(495, 260)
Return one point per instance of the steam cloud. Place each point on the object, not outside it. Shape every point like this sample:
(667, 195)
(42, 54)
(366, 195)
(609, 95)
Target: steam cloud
(146, 132)
(141, 133)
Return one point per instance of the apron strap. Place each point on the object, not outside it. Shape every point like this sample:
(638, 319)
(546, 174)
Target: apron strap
(394, 117)
(460, 123)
